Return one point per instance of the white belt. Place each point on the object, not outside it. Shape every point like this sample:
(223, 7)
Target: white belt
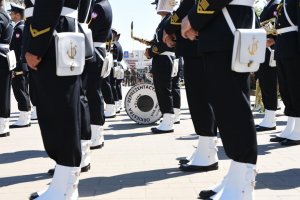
(249, 3)
(100, 44)
(4, 46)
(287, 29)
(67, 12)
(167, 53)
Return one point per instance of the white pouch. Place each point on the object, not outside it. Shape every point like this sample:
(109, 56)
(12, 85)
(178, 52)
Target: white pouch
(249, 47)
(272, 62)
(107, 65)
(70, 53)
(89, 47)
(11, 59)
(175, 68)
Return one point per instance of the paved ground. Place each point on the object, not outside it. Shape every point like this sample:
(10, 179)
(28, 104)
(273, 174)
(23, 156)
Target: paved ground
(135, 165)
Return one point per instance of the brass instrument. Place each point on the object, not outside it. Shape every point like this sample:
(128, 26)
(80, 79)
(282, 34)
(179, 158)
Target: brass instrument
(269, 26)
(141, 40)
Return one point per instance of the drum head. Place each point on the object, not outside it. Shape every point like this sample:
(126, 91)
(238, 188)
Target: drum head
(141, 104)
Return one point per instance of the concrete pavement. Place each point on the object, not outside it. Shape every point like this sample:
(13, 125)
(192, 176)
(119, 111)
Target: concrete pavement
(136, 165)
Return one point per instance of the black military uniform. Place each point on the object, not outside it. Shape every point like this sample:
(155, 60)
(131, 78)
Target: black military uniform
(267, 75)
(225, 89)
(162, 62)
(288, 60)
(107, 88)
(200, 110)
(57, 97)
(20, 80)
(6, 31)
(58, 112)
(118, 56)
(100, 25)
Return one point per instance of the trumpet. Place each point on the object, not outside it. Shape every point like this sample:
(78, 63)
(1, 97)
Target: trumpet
(269, 26)
(141, 40)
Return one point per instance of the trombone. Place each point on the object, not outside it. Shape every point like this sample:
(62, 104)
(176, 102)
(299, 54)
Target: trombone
(141, 40)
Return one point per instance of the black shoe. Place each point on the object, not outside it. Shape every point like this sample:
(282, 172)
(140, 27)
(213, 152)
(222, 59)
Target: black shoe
(34, 196)
(178, 122)
(183, 161)
(17, 126)
(277, 139)
(86, 168)
(158, 131)
(262, 128)
(50, 172)
(97, 147)
(195, 168)
(83, 169)
(288, 142)
(113, 116)
(4, 134)
(205, 194)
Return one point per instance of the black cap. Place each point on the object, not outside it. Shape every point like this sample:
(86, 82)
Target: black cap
(16, 8)
(155, 2)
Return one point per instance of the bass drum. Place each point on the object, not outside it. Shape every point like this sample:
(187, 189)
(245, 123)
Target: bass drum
(141, 104)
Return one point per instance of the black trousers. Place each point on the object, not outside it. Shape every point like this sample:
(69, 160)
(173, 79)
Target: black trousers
(227, 93)
(93, 88)
(20, 88)
(161, 70)
(267, 77)
(32, 92)
(119, 88)
(289, 85)
(201, 111)
(113, 86)
(176, 91)
(107, 91)
(5, 88)
(59, 113)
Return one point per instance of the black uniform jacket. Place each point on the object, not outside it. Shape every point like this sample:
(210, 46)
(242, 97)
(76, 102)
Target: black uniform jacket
(40, 27)
(6, 31)
(184, 47)
(158, 46)
(287, 44)
(214, 33)
(16, 44)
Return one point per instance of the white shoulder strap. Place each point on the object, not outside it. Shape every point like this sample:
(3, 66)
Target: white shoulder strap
(230, 22)
(86, 17)
(287, 15)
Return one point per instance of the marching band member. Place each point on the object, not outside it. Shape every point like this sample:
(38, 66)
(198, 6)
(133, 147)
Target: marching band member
(288, 61)
(205, 156)
(6, 32)
(162, 62)
(267, 74)
(20, 78)
(204, 21)
(58, 97)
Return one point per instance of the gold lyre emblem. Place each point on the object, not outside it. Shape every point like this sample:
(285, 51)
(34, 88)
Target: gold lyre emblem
(72, 51)
(252, 49)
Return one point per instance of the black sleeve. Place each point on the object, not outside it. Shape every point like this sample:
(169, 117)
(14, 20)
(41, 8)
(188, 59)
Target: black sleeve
(205, 11)
(43, 23)
(298, 21)
(16, 43)
(174, 21)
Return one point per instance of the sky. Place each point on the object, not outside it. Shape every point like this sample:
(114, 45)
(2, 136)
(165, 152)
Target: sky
(144, 17)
